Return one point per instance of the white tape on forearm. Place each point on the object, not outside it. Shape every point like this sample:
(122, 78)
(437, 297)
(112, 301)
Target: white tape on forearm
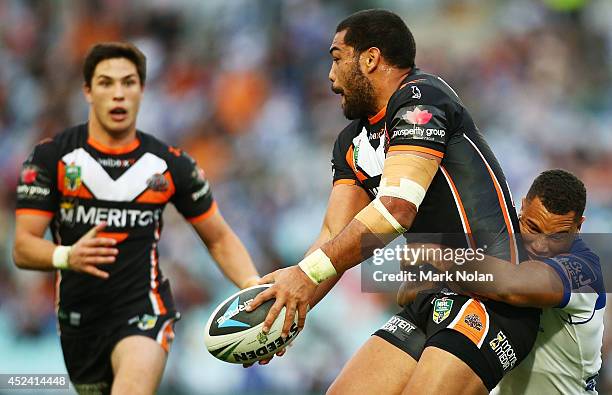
(61, 254)
(318, 266)
(380, 207)
(407, 190)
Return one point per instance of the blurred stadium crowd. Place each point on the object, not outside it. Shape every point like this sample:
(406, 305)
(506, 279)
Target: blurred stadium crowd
(242, 86)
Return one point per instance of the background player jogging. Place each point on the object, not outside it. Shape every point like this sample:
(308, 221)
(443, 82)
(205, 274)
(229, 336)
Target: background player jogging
(102, 187)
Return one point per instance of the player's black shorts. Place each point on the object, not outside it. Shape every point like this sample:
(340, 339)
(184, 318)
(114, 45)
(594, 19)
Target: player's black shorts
(490, 337)
(88, 355)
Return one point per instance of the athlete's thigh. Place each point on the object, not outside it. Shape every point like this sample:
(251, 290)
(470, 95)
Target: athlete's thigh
(138, 364)
(378, 367)
(441, 373)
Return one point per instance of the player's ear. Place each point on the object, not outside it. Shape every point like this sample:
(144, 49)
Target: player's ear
(87, 92)
(371, 59)
(581, 221)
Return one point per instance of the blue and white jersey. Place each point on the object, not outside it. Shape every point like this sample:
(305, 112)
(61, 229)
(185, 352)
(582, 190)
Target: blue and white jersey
(566, 357)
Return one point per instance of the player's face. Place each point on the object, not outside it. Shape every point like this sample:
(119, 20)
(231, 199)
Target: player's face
(358, 96)
(546, 234)
(114, 95)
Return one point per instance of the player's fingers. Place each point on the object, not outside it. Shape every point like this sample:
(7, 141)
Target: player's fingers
(266, 361)
(90, 251)
(94, 231)
(98, 260)
(104, 251)
(94, 271)
(260, 298)
(100, 242)
(272, 314)
(267, 279)
(289, 316)
(302, 311)
(281, 352)
(247, 365)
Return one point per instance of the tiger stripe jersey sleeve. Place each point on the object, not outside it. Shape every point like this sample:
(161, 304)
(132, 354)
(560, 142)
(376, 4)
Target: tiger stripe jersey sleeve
(193, 196)
(37, 191)
(419, 118)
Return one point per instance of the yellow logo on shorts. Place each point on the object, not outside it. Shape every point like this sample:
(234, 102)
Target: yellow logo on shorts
(442, 309)
(147, 322)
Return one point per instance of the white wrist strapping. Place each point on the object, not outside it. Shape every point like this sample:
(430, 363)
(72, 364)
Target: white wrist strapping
(60, 257)
(317, 266)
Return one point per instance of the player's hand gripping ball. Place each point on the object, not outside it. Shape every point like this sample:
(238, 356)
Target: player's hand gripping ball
(235, 336)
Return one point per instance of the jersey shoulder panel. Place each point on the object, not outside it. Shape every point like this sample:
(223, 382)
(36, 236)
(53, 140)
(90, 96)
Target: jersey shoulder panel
(36, 189)
(193, 195)
(342, 155)
(423, 112)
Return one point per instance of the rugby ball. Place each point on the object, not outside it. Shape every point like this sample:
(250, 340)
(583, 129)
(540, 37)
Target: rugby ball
(235, 336)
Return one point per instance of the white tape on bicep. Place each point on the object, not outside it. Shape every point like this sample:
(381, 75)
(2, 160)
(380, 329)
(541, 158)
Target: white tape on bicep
(380, 207)
(407, 190)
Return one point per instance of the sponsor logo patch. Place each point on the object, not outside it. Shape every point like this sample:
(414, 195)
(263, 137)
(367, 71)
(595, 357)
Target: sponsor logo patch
(473, 321)
(399, 327)
(72, 213)
(200, 179)
(158, 183)
(113, 162)
(591, 382)
(32, 191)
(442, 309)
(504, 351)
(28, 174)
(267, 348)
(147, 322)
(226, 319)
(262, 338)
(72, 178)
(417, 116)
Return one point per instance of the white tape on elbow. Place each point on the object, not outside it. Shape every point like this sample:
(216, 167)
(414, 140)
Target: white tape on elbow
(408, 190)
(380, 207)
(317, 266)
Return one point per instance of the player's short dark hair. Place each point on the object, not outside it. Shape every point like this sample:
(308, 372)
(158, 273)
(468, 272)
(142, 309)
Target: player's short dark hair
(560, 192)
(112, 50)
(381, 29)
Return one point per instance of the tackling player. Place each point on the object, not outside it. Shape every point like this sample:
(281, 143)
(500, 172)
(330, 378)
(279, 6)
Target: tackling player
(411, 159)
(102, 187)
(563, 276)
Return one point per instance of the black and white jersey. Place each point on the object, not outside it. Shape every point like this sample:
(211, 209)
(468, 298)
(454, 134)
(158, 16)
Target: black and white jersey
(468, 195)
(80, 183)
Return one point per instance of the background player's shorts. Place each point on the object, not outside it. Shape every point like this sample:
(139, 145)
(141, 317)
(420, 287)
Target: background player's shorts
(490, 337)
(88, 356)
